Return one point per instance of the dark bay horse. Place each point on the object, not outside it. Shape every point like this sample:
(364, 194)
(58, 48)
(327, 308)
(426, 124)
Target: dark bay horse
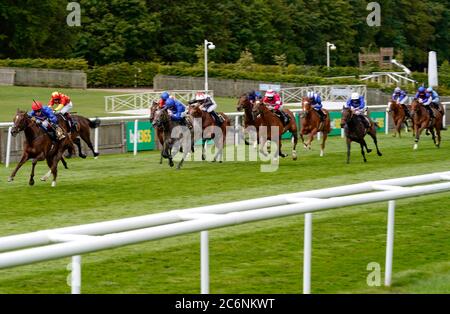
(311, 124)
(83, 130)
(38, 146)
(176, 137)
(208, 129)
(250, 119)
(422, 120)
(159, 130)
(269, 119)
(355, 132)
(399, 116)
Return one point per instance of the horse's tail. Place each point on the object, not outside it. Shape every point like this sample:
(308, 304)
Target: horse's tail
(94, 124)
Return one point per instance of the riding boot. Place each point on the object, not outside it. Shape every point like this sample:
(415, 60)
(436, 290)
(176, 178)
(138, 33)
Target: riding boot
(365, 121)
(216, 118)
(430, 111)
(407, 115)
(52, 134)
(284, 117)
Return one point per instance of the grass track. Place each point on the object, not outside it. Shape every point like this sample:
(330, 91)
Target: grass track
(263, 257)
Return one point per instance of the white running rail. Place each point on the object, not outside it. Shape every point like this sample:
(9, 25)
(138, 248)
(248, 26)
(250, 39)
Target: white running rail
(77, 240)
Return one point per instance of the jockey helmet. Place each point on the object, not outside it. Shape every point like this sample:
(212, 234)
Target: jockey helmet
(310, 95)
(397, 90)
(165, 96)
(355, 96)
(200, 96)
(270, 93)
(36, 105)
(430, 89)
(421, 89)
(55, 95)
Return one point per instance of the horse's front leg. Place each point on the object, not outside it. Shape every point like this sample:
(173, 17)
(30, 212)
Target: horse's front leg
(363, 144)
(20, 164)
(349, 145)
(204, 148)
(418, 130)
(31, 182)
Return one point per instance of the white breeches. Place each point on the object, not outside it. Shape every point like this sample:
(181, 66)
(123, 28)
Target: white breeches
(66, 108)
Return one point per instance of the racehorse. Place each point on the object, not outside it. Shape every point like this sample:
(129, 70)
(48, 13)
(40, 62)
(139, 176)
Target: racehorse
(355, 131)
(83, 130)
(269, 119)
(250, 120)
(398, 116)
(311, 124)
(181, 140)
(159, 131)
(422, 120)
(38, 146)
(208, 132)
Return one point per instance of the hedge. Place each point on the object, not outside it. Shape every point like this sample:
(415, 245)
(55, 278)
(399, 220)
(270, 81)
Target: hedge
(61, 64)
(141, 74)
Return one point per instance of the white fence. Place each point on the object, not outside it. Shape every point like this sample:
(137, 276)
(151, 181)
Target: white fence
(144, 100)
(328, 93)
(76, 240)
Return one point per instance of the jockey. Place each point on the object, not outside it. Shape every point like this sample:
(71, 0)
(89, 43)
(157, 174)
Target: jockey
(46, 119)
(316, 102)
(64, 105)
(425, 99)
(273, 99)
(176, 109)
(254, 96)
(207, 104)
(357, 104)
(401, 98)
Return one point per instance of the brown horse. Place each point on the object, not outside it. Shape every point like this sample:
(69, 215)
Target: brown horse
(355, 131)
(38, 146)
(208, 129)
(269, 119)
(159, 130)
(250, 120)
(83, 130)
(399, 116)
(422, 120)
(311, 124)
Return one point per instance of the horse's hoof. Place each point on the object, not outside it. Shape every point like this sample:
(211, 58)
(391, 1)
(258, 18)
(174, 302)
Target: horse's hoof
(171, 164)
(96, 154)
(283, 155)
(203, 157)
(10, 179)
(53, 184)
(43, 179)
(415, 146)
(220, 161)
(365, 160)
(214, 160)
(83, 156)
(31, 182)
(369, 150)
(68, 156)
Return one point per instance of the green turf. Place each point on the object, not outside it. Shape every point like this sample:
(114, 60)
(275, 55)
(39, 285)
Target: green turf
(262, 257)
(90, 103)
